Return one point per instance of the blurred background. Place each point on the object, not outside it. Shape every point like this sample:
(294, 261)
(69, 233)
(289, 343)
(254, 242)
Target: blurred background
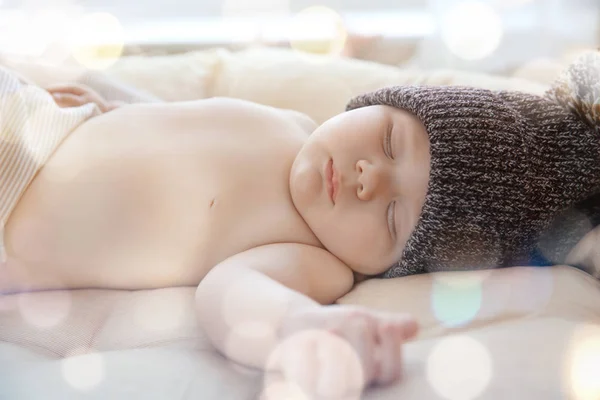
(479, 35)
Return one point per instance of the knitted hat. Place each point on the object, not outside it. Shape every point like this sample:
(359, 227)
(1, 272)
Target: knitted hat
(505, 169)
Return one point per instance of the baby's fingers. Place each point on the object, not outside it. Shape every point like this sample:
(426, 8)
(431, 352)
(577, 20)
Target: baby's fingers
(360, 332)
(390, 352)
(340, 370)
(114, 105)
(321, 365)
(72, 88)
(65, 100)
(407, 326)
(302, 369)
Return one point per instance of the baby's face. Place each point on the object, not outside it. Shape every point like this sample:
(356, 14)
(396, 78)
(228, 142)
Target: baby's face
(360, 183)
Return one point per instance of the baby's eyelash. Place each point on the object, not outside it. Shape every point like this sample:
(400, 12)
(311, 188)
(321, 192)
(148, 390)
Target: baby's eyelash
(388, 142)
(391, 214)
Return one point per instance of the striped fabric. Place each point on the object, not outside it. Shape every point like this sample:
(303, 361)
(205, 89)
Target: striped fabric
(32, 127)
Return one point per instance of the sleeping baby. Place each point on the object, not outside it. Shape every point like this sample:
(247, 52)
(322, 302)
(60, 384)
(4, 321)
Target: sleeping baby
(274, 218)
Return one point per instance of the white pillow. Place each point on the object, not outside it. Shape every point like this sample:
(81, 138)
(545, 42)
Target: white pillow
(319, 86)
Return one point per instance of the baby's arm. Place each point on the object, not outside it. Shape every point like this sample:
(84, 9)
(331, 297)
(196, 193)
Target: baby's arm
(264, 285)
(253, 303)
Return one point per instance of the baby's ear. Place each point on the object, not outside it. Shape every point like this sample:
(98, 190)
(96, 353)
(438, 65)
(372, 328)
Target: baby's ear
(578, 88)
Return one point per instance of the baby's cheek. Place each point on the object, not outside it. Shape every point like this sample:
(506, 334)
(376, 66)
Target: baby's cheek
(359, 242)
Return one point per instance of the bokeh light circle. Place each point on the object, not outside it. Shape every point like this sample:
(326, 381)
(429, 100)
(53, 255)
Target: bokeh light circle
(53, 27)
(459, 368)
(252, 338)
(20, 34)
(456, 301)
(15, 105)
(255, 8)
(83, 369)
(318, 30)
(45, 309)
(97, 40)
(283, 390)
(317, 363)
(583, 363)
(57, 26)
(472, 30)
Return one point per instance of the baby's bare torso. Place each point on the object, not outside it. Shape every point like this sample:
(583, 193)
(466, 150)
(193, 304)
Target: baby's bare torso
(156, 195)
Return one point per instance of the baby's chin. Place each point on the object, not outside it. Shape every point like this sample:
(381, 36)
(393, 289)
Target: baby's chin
(360, 268)
(370, 271)
(358, 277)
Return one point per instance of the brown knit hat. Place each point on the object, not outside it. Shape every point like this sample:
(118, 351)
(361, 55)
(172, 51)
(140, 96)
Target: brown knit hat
(504, 168)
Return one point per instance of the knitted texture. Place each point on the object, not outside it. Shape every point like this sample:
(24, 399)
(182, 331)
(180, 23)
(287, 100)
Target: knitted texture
(504, 166)
(578, 88)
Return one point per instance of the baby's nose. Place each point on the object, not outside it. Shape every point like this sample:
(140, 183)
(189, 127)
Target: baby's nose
(369, 180)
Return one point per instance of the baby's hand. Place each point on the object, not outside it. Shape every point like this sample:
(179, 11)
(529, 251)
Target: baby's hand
(75, 95)
(335, 351)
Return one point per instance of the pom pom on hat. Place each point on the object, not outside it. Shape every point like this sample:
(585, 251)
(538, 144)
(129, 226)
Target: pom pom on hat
(578, 88)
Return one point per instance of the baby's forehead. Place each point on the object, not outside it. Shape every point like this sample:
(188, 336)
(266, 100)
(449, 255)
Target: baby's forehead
(386, 111)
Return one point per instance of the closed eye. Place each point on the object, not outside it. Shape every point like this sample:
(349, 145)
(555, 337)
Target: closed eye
(391, 219)
(387, 142)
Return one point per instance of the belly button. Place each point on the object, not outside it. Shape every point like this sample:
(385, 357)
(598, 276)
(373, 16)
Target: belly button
(212, 203)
